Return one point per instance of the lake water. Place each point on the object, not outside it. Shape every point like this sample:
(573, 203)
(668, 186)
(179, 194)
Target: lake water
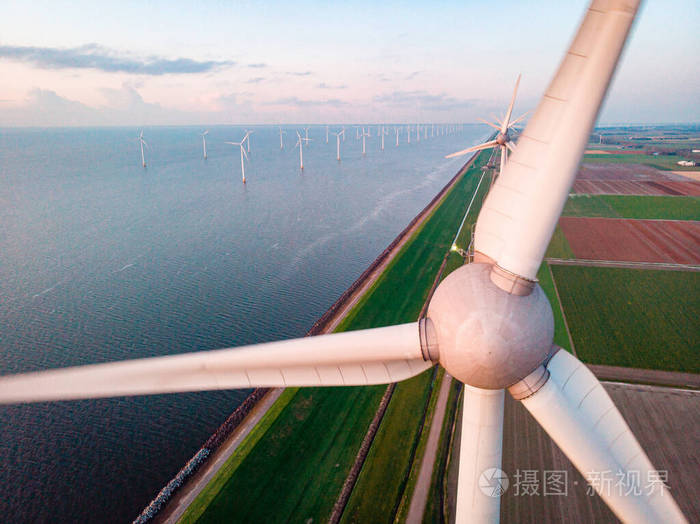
(101, 259)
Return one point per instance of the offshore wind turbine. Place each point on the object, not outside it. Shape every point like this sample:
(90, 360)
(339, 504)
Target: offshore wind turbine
(365, 134)
(466, 321)
(204, 143)
(381, 132)
(337, 143)
(326, 134)
(300, 145)
(408, 134)
(397, 130)
(143, 143)
(243, 153)
(282, 133)
(503, 139)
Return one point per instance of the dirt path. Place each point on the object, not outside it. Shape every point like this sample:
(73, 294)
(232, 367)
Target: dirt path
(622, 264)
(419, 498)
(646, 376)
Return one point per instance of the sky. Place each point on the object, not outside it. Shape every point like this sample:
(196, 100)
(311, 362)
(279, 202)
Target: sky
(322, 62)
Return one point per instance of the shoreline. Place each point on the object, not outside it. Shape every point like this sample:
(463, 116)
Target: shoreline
(167, 506)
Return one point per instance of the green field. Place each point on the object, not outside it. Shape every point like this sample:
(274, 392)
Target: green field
(665, 162)
(561, 337)
(634, 206)
(559, 246)
(633, 318)
(309, 449)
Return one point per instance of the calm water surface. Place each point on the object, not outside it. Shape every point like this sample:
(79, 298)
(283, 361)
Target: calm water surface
(103, 260)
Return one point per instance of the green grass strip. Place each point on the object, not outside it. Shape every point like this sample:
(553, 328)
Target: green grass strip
(199, 505)
(561, 336)
(632, 317)
(634, 206)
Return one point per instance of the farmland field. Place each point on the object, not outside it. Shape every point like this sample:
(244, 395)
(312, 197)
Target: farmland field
(629, 206)
(666, 162)
(632, 318)
(664, 241)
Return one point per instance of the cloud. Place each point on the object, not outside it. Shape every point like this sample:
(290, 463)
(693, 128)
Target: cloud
(258, 65)
(255, 80)
(423, 100)
(323, 85)
(412, 75)
(299, 73)
(298, 102)
(94, 56)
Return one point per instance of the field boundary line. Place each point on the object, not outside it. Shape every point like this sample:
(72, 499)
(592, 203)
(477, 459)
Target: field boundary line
(622, 264)
(563, 313)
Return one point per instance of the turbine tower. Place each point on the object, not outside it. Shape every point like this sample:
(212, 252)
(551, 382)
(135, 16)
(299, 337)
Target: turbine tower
(397, 130)
(243, 153)
(337, 143)
(143, 143)
(300, 145)
(365, 134)
(281, 142)
(466, 320)
(502, 140)
(204, 143)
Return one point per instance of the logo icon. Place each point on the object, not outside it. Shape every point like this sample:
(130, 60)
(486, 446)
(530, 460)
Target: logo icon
(493, 482)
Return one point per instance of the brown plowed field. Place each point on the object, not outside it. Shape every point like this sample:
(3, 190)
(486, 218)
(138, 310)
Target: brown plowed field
(632, 179)
(664, 420)
(672, 241)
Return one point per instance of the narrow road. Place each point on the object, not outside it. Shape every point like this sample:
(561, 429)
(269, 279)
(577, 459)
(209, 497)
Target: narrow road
(419, 498)
(622, 264)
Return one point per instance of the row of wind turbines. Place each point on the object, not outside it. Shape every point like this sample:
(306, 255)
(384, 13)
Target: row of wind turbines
(361, 133)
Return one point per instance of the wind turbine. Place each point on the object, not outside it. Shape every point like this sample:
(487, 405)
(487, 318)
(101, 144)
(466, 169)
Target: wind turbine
(143, 143)
(243, 153)
(326, 134)
(365, 134)
(204, 143)
(300, 145)
(408, 134)
(381, 132)
(489, 323)
(337, 139)
(397, 130)
(417, 132)
(502, 140)
(282, 133)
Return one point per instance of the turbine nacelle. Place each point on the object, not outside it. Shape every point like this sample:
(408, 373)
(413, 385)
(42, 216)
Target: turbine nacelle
(486, 337)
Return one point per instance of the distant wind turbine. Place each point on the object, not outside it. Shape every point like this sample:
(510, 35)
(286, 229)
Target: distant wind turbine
(300, 145)
(204, 143)
(382, 134)
(143, 143)
(417, 132)
(398, 130)
(337, 139)
(503, 140)
(282, 133)
(408, 134)
(326, 134)
(365, 134)
(243, 153)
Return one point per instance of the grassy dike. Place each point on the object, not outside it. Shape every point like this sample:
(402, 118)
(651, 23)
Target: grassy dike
(295, 470)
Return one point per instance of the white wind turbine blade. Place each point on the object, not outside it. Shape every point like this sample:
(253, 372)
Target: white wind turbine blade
(489, 124)
(513, 122)
(506, 119)
(245, 154)
(521, 210)
(480, 456)
(576, 411)
(371, 356)
(510, 146)
(485, 145)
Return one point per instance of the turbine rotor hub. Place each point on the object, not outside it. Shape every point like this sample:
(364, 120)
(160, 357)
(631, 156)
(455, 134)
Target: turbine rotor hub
(502, 138)
(486, 337)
